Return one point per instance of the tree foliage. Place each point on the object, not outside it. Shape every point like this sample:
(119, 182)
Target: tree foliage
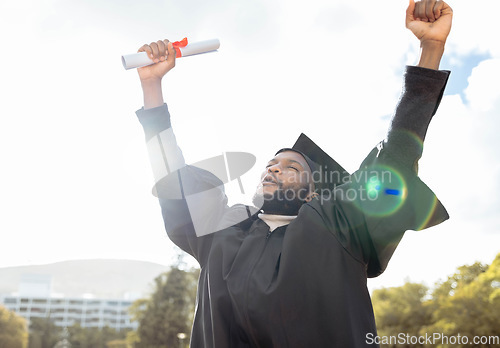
(43, 333)
(117, 344)
(168, 312)
(465, 304)
(473, 305)
(401, 309)
(13, 330)
(82, 337)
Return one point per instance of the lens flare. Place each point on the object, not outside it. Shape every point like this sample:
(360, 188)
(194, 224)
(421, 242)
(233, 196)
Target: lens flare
(425, 216)
(386, 191)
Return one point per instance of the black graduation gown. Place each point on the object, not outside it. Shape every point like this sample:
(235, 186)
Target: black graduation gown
(303, 285)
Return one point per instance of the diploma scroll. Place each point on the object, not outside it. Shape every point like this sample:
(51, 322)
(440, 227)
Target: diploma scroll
(138, 60)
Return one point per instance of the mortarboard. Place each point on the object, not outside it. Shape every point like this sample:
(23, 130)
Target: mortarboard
(326, 172)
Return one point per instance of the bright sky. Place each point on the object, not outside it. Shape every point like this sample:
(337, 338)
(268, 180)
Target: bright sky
(76, 182)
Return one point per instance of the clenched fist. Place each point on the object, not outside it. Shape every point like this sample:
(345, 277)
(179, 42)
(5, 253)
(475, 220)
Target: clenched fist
(429, 20)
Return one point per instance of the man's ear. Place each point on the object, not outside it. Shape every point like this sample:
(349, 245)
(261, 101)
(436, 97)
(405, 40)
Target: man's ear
(311, 195)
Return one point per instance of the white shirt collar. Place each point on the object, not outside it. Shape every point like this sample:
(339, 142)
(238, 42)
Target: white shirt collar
(275, 221)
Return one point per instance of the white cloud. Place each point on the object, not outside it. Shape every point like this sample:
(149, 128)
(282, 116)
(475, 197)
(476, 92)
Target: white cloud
(482, 92)
(474, 28)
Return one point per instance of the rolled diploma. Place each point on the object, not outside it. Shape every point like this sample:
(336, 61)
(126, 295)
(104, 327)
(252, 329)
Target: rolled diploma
(140, 59)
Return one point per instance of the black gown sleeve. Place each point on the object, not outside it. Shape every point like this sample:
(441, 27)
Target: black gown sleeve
(192, 200)
(404, 202)
(422, 93)
(384, 198)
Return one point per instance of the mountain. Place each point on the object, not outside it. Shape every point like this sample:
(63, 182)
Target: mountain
(101, 278)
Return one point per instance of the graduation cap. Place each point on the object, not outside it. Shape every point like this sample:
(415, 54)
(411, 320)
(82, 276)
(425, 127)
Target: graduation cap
(326, 172)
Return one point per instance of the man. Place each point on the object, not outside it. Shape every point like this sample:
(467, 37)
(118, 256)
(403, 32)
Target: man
(294, 273)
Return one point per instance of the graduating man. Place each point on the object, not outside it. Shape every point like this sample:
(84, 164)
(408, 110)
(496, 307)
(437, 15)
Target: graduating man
(293, 272)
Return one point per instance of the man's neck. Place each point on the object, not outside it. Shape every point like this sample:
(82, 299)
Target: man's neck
(274, 221)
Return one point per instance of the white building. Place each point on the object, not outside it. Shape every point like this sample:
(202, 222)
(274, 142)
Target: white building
(35, 300)
(69, 311)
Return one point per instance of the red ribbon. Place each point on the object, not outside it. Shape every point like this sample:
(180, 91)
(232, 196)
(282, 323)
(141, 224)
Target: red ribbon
(177, 44)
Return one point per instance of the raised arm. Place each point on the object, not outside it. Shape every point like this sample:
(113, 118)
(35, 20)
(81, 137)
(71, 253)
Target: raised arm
(163, 54)
(385, 194)
(414, 206)
(430, 21)
(192, 200)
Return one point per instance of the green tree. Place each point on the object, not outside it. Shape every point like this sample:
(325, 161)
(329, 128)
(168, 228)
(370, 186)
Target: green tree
(472, 307)
(117, 344)
(464, 276)
(169, 310)
(43, 333)
(84, 337)
(467, 303)
(401, 309)
(13, 330)
(132, 339)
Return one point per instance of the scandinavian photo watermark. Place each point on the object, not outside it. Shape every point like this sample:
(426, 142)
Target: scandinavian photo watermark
(370, 184)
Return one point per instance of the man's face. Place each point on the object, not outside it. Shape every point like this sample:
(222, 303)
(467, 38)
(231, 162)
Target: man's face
(285, 184)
